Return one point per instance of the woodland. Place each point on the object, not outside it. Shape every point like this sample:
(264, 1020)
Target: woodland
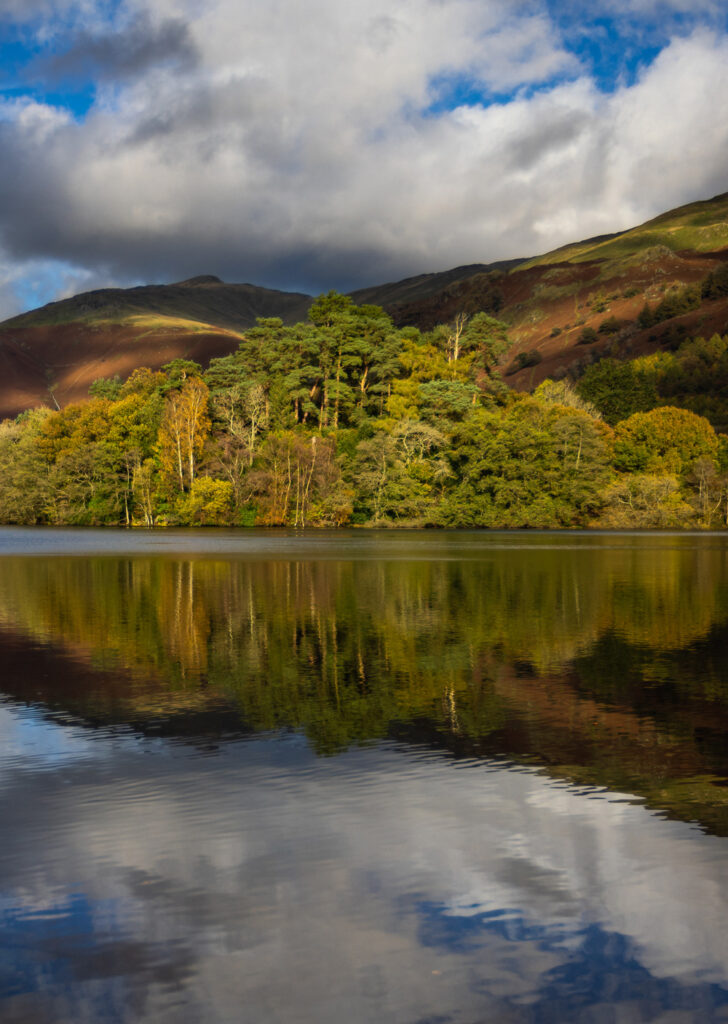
(347, 420)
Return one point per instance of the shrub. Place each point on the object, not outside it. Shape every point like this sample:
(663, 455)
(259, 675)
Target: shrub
(610, 326)
(530, 358)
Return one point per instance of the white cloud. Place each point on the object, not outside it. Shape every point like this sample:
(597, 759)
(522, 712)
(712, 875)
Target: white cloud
(303, 148)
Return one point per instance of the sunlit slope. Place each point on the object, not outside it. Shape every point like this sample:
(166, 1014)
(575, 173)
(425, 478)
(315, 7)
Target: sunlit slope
(697, 227)
(51, 355)
(54, 364)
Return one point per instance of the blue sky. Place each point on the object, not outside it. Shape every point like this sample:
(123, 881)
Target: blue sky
(322, 145)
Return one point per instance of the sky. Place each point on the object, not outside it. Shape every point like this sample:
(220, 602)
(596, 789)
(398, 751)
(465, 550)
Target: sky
(337, 145)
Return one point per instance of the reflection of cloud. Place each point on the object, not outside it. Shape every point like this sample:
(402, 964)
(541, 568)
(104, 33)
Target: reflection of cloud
(302, 889)
(29, 742)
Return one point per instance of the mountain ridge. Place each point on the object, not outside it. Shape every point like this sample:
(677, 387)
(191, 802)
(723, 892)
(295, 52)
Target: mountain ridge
(552, 303)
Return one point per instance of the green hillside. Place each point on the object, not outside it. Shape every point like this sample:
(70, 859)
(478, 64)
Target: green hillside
(700, 227)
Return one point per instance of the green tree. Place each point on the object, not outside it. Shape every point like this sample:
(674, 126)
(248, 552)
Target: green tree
(664, 440)
(617, 389)
(529, 466)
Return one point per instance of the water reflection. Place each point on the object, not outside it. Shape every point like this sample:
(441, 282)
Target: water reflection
(514, 722)
(260, 884)
(605, 661)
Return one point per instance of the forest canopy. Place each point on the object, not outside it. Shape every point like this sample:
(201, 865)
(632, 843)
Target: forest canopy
(347, 420)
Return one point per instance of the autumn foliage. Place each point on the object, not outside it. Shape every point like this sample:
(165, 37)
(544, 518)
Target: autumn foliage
(345, 419)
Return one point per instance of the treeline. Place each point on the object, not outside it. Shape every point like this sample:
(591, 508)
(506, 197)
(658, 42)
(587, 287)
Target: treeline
(693, 377)
(346, 420)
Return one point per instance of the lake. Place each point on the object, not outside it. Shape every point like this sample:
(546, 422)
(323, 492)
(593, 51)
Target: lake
(362, 776)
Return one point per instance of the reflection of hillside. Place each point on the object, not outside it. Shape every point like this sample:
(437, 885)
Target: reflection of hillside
(69, 686)
(585, 659)
(664, 754)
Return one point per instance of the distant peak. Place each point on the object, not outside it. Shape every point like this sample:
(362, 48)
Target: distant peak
(193, 282)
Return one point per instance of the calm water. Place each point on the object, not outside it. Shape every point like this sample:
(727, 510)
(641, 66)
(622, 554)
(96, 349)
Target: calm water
(362, 777)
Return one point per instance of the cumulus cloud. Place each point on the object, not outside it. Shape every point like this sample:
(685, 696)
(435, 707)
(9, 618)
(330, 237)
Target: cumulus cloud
(327, 145)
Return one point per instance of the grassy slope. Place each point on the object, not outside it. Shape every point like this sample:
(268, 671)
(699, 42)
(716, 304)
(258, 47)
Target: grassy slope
(699, 227)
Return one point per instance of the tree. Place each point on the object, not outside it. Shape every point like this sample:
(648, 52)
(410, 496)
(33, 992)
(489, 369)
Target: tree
(179, 371)
(644, 501)
(208, 503)
(183, 431)
(530, 465)
(617, 389)
(709, 489)
(295, 474)
(106, 387)
(715, 285)
(24, 469)
(488, 338)
(133, 425)
(244, 411)
(393, 475)
(664, 440)
(560, 392)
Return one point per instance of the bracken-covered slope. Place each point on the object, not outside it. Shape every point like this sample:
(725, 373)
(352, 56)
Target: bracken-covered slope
(51, 355)
(551, 300)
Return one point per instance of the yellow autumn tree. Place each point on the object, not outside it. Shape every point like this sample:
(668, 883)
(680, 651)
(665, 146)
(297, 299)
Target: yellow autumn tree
(182, 434)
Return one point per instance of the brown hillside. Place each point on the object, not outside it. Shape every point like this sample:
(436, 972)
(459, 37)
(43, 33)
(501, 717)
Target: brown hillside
(548, 306)
(51, 355)
(569, 298)
(55, 364)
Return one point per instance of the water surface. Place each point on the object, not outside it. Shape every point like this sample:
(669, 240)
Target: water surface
(407, 777)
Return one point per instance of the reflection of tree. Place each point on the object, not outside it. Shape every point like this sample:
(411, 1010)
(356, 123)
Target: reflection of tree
(347, 648)
(543, 607)
(584, 657)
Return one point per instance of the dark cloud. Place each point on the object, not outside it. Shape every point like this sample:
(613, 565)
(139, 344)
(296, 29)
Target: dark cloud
(292, 157)
(123, 54)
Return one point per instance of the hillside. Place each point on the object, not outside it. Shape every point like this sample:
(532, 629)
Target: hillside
(565, 309)
(401, 295)
(551, 300)
(51, 355)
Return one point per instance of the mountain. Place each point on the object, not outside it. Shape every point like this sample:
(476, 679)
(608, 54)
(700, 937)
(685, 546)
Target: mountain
(583, 301)
(565, 309)
(51, 355)
(401, 295)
